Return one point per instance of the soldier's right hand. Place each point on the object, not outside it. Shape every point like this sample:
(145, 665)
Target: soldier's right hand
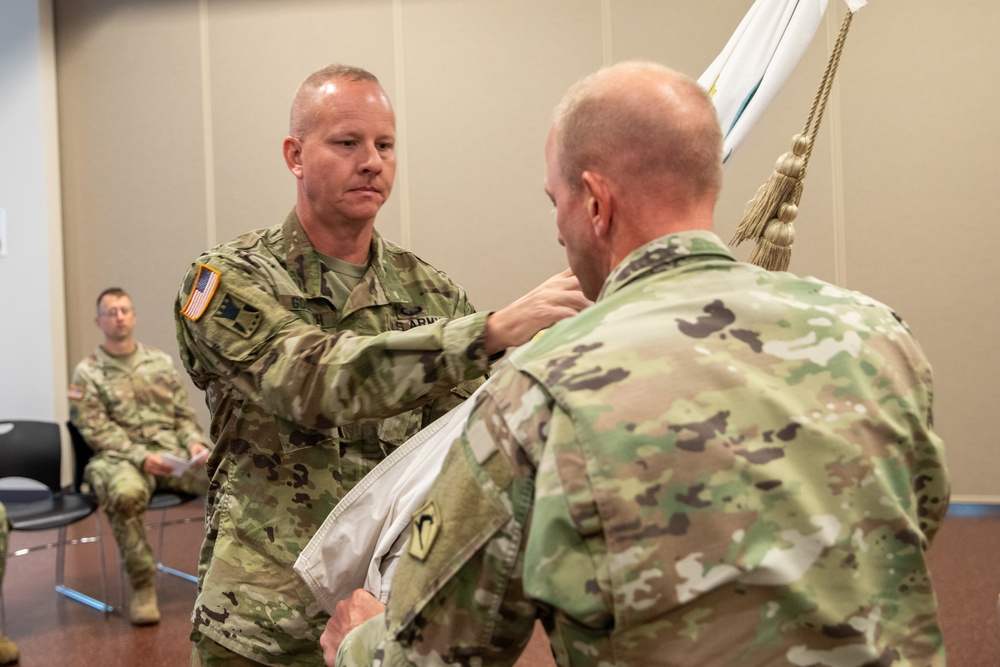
(155, 465)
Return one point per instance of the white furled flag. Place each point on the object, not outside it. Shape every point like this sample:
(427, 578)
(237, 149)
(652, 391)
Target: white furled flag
(747, 74)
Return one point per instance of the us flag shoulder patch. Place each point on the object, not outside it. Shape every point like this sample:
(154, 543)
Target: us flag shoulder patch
(204, 287)
(75, 392)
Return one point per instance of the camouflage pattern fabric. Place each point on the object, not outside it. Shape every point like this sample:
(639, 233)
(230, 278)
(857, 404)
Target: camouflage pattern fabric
(714, 465)
(305, 400)
(4, 541)
(125, 413)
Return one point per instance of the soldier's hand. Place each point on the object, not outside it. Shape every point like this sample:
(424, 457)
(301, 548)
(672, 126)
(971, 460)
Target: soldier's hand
(555, 299)
(196, 449)
(348, 614)
(154, 465)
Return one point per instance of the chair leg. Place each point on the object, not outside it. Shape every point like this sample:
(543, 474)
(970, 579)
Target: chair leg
(71, 593)
(159, 555)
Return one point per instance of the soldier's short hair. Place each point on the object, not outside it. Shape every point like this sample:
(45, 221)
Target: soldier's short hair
(300, 121)
(638, 131)
(111, 291)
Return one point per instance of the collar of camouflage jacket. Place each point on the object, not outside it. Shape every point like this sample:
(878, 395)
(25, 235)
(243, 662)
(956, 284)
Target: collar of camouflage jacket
(665, 253)
(383, 286)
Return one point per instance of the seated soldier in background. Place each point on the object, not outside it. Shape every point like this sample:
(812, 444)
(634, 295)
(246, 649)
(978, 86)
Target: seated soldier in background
(8, 649)
(129, 404)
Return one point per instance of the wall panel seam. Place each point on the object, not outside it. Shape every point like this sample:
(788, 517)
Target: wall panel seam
(607, 42)
(836, 133)
(211, 232)
(402, 172)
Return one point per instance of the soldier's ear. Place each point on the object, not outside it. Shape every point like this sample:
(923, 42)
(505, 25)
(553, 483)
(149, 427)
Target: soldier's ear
(599, 201)
(292, 150)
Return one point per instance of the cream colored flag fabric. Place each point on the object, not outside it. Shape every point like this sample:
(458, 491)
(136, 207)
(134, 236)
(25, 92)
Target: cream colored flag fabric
(747, 74)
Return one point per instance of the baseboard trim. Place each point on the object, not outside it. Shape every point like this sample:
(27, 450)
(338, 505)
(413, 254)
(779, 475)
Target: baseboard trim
(965, 508)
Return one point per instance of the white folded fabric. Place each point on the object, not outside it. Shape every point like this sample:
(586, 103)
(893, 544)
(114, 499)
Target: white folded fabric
(357, 545)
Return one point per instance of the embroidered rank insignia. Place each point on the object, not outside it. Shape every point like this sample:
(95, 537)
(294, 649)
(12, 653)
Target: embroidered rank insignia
(75, 393)
(426, 523)
(201, 293)
(237, 316)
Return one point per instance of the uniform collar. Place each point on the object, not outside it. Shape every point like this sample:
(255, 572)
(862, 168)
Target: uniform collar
(665, 253)
(141, 353)
(382, 285)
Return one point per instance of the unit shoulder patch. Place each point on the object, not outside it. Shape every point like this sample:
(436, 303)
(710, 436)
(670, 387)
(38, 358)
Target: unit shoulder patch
(426, 522)
(237, 316)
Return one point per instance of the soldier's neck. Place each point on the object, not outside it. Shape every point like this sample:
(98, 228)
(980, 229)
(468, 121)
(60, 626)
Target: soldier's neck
(349, 241)
(119, 348)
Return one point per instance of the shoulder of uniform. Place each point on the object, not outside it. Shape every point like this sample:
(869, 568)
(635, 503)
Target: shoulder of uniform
(254, 237)
(85, 365)
(151, 351)
(408, 262)
(244, 241)
(246, 253)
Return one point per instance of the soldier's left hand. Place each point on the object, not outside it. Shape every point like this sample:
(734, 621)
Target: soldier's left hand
(349, 614)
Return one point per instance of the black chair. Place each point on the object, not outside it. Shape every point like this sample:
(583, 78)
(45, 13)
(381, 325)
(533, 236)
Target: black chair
(161, 501)
(33, 450)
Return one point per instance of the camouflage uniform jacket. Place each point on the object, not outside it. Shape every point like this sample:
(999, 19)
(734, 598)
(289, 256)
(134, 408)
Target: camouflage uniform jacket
(129, 413)
(305, 400)
(713, 465)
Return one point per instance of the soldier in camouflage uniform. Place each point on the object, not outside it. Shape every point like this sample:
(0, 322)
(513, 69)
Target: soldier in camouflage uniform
(8, 649)
(714, 465)
(321, 347)
(129, 403)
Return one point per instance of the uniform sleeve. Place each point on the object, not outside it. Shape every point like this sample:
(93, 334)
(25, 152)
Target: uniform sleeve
(457, 593)
(931, 484)
(188, 429)
(360, 645)
(90, 416)
(302, 373)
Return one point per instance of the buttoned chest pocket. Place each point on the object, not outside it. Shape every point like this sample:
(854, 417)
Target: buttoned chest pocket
(394, 431)
(295, 438)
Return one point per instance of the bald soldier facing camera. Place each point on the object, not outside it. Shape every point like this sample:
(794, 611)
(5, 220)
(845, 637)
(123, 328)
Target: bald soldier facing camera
(321, 347)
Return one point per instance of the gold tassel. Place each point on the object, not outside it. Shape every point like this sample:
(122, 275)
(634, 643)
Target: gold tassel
(779, 188)
(768, 216)
(773, 250)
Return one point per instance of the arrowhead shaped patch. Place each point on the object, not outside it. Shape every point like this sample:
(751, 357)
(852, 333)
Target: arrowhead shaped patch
(426, 522)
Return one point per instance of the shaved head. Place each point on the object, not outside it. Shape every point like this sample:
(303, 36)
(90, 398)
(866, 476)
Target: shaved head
(642, 122)
(304, 113)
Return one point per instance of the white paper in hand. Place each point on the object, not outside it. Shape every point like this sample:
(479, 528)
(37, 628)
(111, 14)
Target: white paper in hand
(180, 466)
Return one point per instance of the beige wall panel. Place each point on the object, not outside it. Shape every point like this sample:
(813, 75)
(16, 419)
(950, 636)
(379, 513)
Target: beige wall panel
(132, 161)
(687, 35)
(481, 79)
(904, 155)
(920, 147)
(259, 52)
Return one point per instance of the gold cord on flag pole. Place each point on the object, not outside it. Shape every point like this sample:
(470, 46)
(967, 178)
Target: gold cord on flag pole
(768, 216)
